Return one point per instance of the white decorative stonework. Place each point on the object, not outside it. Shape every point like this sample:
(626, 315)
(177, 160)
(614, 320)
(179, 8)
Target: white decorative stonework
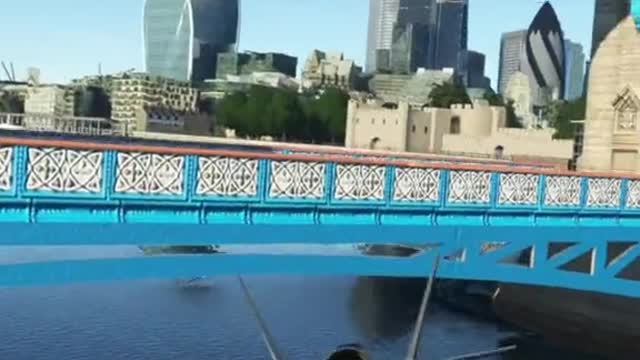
(6, 168)
(415, 184)
(469, 187)
(149, 174)
(633, 194)
(562, 191)
(604, 193)
(359, 182)
(64, 170)
(223, 176)
(518, 189)
(297, 180)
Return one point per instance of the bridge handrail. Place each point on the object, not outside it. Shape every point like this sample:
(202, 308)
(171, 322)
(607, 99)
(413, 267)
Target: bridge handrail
(149, 173)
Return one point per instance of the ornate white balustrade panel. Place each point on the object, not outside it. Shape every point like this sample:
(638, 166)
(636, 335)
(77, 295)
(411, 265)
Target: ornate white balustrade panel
(64, 171)
(562, 191)
(469, 187)
(297, 180)
(229, 177)
(633, 194)
(416, 185)
(359, 182)
(149, 174)
(518, 189)
(6, 168)
(604, 193)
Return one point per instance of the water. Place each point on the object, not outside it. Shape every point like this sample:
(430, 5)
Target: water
(162, 320)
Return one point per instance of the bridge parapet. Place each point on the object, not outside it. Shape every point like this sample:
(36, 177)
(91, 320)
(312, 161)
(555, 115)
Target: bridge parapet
(73, 170)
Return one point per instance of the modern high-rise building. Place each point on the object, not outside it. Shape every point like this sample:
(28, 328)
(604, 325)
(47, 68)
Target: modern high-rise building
(608, 13)
(475, 63)
(382, 16)
(511, 48)
(574, 70)
(182, 38)
(451, 31)
(543, 59)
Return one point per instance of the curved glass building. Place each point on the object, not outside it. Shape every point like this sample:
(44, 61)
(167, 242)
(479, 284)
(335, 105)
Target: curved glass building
(182, 38)
(543, 59)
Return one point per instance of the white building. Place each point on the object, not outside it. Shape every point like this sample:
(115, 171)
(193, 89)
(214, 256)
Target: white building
(49, 99)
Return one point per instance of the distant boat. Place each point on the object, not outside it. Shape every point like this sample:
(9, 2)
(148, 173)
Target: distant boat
(181, 249)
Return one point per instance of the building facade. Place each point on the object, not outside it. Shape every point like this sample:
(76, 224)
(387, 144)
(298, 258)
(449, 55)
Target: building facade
(574, 70)
(382, 16)
(608, 13)
(323, 70)
(234, 63)
(471, 129)
(414, 89)
(182, 38)
(408, 49)
(511, 49)
(50, 100)
(611, 128)
(543, 59)
(134, 91)
(475, 64)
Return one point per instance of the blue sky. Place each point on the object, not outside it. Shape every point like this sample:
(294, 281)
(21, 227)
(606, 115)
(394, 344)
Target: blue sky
(68, 38)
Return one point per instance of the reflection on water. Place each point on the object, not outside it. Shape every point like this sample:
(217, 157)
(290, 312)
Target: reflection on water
(308, 316)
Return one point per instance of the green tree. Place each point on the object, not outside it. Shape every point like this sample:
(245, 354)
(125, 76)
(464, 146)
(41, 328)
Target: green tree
(230, 113)
(562, 113)
(494, 99)
(445, 94)
(332, 111)
(512, 119)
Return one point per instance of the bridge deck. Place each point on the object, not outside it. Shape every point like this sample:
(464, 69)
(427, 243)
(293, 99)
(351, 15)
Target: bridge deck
(488, 221)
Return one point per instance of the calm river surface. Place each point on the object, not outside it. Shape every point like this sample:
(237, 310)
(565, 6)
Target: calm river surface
(308, 316)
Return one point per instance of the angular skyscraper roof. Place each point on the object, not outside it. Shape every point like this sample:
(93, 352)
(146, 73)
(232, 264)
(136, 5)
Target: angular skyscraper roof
(543, 58)
(182, 38)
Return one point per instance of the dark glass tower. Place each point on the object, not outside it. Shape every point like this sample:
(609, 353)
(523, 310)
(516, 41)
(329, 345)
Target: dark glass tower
(451, 34)
(608, 13)
(182, 38)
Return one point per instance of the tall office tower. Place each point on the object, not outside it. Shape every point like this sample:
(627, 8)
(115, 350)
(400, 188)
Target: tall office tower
(574, 70)
(608, 13)
(451, 34)
(182, 38)
(511, 48)
(475, 63)
(416, 20)
(408, 50)
(543, 59)
(382, 16)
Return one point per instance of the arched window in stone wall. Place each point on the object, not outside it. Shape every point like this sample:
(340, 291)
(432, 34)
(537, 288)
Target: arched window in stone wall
(454, 127)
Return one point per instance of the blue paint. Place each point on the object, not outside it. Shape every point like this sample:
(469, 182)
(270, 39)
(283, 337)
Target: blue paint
(108, 218)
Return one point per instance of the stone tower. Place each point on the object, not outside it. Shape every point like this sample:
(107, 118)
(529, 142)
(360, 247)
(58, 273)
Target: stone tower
(612, 132)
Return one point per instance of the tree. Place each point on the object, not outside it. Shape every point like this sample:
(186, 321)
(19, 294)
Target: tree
(512, 119)
(562, 113)
(332, 110)
(230, 113)
(494, 99)
(445, 94)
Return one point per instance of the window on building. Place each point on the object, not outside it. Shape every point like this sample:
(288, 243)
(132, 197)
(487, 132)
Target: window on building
(384, 121)
(373, 121)
(454, 127)
(413, 128)
(426, 129)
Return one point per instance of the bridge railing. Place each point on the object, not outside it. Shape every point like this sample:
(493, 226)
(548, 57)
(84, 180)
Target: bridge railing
(63, 124)
(69, 169)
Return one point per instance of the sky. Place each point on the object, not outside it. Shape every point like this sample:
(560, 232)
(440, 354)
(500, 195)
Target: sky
(67, 39)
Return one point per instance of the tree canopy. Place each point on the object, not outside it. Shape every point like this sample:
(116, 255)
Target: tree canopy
(445, 94)
(284, 114)
(562, 113)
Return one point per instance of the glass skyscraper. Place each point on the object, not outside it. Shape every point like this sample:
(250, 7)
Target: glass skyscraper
(182, 38)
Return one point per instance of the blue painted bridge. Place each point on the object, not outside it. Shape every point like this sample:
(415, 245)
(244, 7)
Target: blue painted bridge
(485, 221)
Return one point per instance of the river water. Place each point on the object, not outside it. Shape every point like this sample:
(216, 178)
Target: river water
(308, 317)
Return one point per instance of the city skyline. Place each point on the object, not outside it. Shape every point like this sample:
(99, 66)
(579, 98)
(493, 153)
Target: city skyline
(263, 28)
